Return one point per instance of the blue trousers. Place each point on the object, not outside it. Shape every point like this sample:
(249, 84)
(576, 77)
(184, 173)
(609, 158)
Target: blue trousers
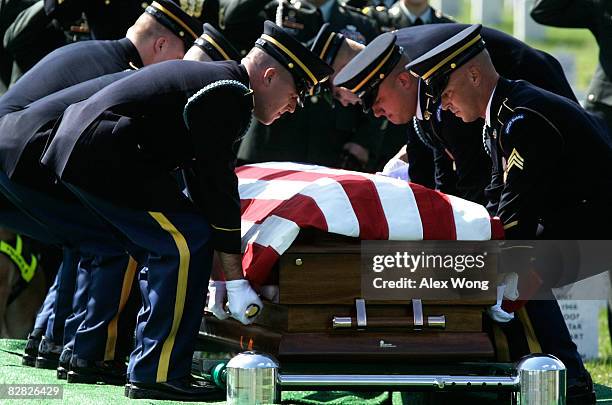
(553, 335)
(110, 270)
(79, 301)
(40, 323)
(177, 272)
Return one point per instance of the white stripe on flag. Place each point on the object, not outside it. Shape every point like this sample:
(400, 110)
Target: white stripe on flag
(275, 232)
(335, 205)
(400, 207)
(472, 221)
(303, 168)
(270, 190)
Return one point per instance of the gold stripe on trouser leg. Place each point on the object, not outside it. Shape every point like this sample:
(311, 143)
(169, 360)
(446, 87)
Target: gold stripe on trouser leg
(501, 344)
(532, 339)
(126, 287)
(181, 292)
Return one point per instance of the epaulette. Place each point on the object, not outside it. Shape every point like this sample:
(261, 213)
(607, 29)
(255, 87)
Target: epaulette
(395, 11)
(351, 8)
(380, 15)
(369, 9)
(193, 7)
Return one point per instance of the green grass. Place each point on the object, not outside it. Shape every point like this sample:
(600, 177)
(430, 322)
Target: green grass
(601, 369)
(579, 42)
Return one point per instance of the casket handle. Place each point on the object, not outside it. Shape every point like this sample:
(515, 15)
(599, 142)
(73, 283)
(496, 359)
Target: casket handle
(431, 322)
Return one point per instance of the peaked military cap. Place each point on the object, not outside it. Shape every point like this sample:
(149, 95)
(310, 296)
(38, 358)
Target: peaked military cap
(364, 73)
(327, 43)
(435, 66)
(216, 45)
(307, 69)
(171, 16)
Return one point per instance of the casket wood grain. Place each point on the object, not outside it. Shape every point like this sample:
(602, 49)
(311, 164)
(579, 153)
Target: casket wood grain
(319, 277)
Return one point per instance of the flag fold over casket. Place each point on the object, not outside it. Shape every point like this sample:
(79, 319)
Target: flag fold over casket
(279, 199)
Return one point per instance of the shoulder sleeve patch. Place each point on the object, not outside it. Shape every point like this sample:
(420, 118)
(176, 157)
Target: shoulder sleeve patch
(511, 121)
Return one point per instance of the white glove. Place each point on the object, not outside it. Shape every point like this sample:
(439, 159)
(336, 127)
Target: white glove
(496, 312)
(511, 282)
(396, 168)
(242, 298)
(216, 299)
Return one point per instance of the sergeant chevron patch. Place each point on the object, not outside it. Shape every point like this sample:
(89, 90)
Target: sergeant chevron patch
(515, 160)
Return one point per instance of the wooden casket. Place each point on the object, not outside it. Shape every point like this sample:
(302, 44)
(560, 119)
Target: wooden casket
(320, 315)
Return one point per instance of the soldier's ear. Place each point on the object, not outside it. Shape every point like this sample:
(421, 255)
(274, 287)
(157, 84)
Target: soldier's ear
(474, 75)
(404, 79)
(159, 44)
(269, 75)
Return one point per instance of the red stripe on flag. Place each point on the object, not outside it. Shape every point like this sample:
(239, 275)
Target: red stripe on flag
(436, 214)
(257, 210)
(364, 198)
(497, 229)
(257, 263)
(265, 173)
(268, 174)
(302, 210)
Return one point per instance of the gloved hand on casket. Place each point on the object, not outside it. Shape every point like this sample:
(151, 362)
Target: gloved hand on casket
(243, 302)
(396, 168)
(216, 299)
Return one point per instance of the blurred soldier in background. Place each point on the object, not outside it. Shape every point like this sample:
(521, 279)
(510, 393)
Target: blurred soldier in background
(323, 132)
(406, 13)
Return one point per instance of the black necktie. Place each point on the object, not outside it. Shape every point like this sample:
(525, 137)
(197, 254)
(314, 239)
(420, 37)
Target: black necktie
(417, 21)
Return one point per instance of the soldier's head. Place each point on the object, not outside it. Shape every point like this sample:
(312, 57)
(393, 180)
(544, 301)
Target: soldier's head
(337, 51)
(281, 72)
(163, 32)
(458, 73)
(211, 46)
(377, 76)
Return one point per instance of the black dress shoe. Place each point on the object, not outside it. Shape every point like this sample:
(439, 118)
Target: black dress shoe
(83, 371)
(48, 354)
(580, 391)
(64, 363)
(182, 389)
(31, 349)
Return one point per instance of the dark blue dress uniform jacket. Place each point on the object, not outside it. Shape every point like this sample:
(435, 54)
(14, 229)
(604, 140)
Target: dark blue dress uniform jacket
(556, 161)
(23, 134)
(123, 143)
(67, 66)
(460, 144)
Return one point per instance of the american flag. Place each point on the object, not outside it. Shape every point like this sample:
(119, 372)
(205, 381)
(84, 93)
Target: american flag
(280, 198)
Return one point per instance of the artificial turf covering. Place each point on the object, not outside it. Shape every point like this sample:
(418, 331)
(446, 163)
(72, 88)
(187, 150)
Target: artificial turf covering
(12, 372)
